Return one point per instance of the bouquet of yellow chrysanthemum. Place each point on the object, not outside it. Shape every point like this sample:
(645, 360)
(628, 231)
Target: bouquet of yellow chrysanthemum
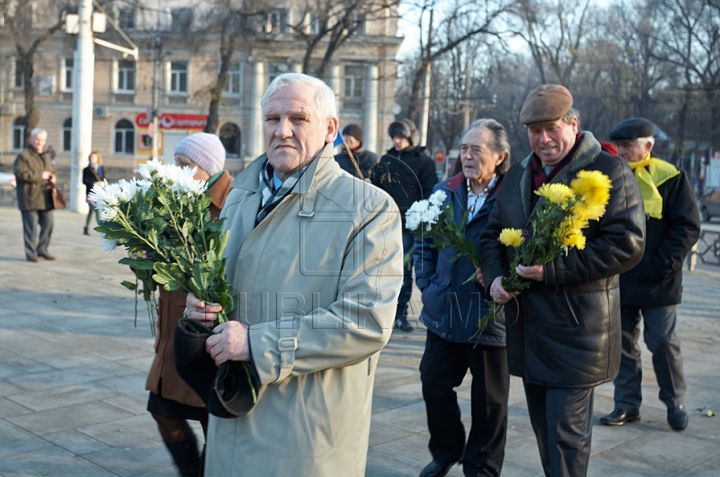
(556, 227)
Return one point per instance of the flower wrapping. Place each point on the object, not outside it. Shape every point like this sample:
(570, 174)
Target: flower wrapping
(556, 227)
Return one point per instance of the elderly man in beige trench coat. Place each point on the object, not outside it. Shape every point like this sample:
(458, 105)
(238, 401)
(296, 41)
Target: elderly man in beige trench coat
(315, 259)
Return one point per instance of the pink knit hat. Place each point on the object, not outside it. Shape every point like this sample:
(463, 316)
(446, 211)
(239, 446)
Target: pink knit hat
(205, 150)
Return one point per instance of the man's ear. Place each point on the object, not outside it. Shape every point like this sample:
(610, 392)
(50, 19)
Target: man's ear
(332, 129)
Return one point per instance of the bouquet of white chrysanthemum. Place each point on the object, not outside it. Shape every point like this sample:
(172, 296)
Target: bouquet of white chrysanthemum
(434, 220)
(163, 221)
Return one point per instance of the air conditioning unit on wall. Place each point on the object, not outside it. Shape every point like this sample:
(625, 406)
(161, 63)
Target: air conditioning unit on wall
(100, 112)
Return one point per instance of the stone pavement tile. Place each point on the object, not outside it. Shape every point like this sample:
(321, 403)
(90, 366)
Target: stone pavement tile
(168, 471)
(411, 450)
(412, 417)
(69, 417)
(132, 385)
(524, 452)
(8, 389)
(131, 404)
(124, 432)
(708, 468)
(62, 396)
(53, 461)
(381, 433)
(382, 465)
(100, 370)
(512, 469)
(75, 441)
(666, 453)
(11, 408)
(14, 440)
(142, 458)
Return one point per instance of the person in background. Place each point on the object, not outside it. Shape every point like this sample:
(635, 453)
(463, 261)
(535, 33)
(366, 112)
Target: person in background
(451, 310)
(651, 291)
(93, 175)
(563, 332)
(408, 175)
(365, 160)
(35, 174)
(171, 401)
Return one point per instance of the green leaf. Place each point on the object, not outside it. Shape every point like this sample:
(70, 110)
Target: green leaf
(129, 285)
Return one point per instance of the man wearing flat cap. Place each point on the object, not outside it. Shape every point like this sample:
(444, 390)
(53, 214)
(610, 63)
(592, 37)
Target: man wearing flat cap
(408, 175)
(651, 290)
(563, 333)
(353, 157)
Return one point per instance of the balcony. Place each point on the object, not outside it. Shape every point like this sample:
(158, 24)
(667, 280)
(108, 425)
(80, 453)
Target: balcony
(124, 98)
(66, 97)
(176, 100)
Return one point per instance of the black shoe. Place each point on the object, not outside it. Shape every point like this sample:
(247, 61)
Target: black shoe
(85, 231)
(403, 325)
(619, 417)
(435, 468)
(677, 418)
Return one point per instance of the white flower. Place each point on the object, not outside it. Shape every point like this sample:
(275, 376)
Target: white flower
(125, 191)
(141, 186)
(109, 245)
(150, 168)
(438, 198)
(102, 196)
(108, 214)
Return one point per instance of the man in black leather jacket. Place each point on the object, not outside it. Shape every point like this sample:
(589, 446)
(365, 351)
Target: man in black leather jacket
(651, 290)
(364, 159)
(408, 175)
(563, 333)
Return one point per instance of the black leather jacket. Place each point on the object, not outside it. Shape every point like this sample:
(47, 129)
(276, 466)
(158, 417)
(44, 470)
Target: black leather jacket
(565, 331)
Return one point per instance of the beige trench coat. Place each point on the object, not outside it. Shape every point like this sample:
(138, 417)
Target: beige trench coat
(317, 283)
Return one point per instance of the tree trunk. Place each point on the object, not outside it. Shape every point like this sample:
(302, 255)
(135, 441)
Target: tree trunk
(679, 149)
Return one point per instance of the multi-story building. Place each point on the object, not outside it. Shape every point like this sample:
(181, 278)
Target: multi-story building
(362, 73)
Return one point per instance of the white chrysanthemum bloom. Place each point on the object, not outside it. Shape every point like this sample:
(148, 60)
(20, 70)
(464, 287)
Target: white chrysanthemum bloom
(125, 191)
(109, 245)
(187, 184)
(102, 196)
(108, 214)
(141, 185)
(438, 198)
(412, 221)
(151, 168)
(431, 215)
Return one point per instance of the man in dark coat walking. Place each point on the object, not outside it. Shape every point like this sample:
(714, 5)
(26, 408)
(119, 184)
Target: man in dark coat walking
(563, 333)
(365, 160)
(35, 173)
(407, 174)
(651, 290)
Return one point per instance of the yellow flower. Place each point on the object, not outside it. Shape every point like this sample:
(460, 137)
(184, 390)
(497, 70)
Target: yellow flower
(511, 237)
(574, 238)
(593, 187)
(558, 194)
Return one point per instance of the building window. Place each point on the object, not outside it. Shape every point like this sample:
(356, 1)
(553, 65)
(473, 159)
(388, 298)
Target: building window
(230, 138)
(126, 18)
(181, 19)
(358, 23)
(278, 21)
(124, 137)
(126, 77)
(68, 74)
(18, 134)
(314, 24)
(179, 77)
(19, 78)
(67, 135)
(232, 87)
(353, 81)
(276, 68)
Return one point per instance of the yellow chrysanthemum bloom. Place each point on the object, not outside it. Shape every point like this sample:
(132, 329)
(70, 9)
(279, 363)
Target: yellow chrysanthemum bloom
(558, 194)
(581, 214)
(574, 238)
(511, 237)
(593, 187)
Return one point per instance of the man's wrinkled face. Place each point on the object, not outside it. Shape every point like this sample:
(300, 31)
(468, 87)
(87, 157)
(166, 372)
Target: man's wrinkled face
(553, 141)
(294, 134)
(38, 142)
(633, 151)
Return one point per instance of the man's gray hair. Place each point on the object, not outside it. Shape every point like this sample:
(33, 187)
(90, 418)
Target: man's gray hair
(642, 141)
(37, 131)
(324, 96)
(568, 117)
(501, 144)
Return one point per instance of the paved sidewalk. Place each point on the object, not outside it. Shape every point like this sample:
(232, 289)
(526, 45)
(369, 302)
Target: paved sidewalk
(73, 366)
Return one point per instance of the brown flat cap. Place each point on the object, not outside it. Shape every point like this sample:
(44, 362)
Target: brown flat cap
(546, 103)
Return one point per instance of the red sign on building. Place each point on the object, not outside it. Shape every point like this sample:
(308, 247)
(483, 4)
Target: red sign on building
(174, 121)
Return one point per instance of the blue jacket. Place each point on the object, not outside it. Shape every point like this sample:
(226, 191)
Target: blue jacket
(450, 309)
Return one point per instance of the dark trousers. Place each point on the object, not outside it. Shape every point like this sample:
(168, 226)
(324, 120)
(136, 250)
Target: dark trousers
(562, 421)
(31, 219)
(664, 345)
(443, 367)
(408, 239)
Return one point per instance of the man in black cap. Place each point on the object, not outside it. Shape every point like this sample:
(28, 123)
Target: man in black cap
(652, 289)
(408, 175)
(365, 160)
(563, 333)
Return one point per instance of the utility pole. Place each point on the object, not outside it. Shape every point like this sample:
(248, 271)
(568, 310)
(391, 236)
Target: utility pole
(83, 81)
(155, 95)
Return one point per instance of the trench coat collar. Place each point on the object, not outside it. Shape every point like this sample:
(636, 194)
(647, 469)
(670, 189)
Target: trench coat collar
(585, 155)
